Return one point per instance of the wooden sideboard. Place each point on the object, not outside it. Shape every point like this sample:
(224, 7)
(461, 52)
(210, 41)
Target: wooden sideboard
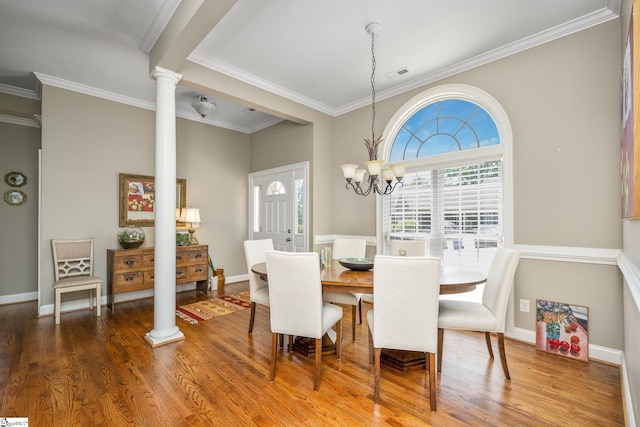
(131, 270)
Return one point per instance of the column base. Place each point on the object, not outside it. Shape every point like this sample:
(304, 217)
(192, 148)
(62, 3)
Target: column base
(155, 342)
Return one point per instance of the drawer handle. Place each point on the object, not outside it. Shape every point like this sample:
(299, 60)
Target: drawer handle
(199, 270)
(178, 257)
(198, 255)
(128, 261)
(152, 259)
(178, 272)
(129, 278)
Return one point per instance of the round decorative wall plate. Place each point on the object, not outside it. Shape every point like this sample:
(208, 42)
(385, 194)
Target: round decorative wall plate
(15, 197)
(15, 179)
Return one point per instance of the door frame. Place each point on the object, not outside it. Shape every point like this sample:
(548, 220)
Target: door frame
(298, 169)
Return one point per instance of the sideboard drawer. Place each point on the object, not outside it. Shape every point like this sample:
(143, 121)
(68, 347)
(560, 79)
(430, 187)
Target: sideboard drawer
(148, 277)
(147, 260)
(132, 262)
(198, 256)
(199, 272)
(127, 280)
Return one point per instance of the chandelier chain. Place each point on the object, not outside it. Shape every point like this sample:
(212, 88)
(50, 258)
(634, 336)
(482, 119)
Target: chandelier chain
(373, 87)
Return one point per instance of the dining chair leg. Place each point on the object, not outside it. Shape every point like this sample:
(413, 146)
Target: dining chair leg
(370, 348)
(376, 381)
(98, 300)
(503, 355)
(487, 337)
(432, 380)
(56, 307)
(339, 339)
(360, 309)
(252, 317)
(290, 348)
(91, 299)
(274, 355)
(353, 323)
(440, 343)
(316, 382)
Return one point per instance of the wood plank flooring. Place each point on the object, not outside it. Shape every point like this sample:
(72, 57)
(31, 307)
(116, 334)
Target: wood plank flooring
(100, 371)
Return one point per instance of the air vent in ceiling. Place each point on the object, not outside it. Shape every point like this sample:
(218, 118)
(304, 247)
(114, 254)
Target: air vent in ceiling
(397, 73)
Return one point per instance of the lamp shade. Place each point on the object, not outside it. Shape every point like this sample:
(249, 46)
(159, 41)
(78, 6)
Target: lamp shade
(190, 215)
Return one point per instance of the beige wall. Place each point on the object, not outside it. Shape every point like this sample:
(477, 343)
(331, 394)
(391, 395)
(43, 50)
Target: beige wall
(564, 110)
(19, 146)
(87, 142)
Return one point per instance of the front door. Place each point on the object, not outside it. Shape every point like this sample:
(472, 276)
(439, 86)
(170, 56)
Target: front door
(278, 207)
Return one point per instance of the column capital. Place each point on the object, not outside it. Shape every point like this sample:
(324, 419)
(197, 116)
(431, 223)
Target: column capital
(162, 73)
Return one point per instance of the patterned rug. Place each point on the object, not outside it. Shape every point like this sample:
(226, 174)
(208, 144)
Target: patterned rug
(216, 307)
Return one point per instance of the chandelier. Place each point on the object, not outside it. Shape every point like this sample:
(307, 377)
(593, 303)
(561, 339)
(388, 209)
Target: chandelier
(392, 174)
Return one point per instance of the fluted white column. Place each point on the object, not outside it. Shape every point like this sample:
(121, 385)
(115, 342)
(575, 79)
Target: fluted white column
(164, 307)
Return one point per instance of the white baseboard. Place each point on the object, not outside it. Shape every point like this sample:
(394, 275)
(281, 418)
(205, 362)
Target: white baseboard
(14, 298)
(596, 352)
(83, 304)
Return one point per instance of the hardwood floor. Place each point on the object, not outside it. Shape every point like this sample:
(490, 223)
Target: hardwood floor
(100, 371)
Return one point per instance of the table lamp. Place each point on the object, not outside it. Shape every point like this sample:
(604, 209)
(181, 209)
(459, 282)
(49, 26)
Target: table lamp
(191, 216)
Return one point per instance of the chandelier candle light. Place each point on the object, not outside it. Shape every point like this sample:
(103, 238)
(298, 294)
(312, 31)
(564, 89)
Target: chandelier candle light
(352, 173)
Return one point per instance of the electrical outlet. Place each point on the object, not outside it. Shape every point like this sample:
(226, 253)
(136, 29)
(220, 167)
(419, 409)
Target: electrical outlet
(524, 305)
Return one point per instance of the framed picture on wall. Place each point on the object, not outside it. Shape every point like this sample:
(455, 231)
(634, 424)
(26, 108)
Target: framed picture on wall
(562, 329)
(630, 161)
(137, 199)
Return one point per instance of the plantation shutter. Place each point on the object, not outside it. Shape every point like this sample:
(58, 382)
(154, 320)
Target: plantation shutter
(456, 210)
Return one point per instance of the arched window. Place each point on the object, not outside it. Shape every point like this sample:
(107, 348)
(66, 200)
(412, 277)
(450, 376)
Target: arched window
(456, 142)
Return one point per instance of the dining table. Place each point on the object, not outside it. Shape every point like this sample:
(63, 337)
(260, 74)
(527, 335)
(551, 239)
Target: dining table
(337, 278)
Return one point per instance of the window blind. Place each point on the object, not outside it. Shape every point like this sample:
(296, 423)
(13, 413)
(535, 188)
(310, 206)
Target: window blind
(456, 210)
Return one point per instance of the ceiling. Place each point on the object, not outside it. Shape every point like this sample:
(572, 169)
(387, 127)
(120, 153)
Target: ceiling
(316, 53)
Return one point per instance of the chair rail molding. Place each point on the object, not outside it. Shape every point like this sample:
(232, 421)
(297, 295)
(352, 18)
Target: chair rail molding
(569, 254)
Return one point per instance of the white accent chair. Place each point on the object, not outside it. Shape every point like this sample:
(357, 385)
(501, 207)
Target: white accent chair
(489, 316)
(73, 271)
(348, 248)
(296, 304)
(405, 317)
(255, 252)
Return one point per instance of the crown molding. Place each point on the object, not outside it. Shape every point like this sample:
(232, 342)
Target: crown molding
(253, 80)
(611, 11)
(167, 9)
(18, 91)
(20, 121)
(127, 100)
(89, 90)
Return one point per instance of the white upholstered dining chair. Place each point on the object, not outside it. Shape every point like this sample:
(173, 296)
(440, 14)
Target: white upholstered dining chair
(297, 308)
(73, 271)
(405, 316)
(488, 316)
(348, 248)
(402, 248)
(255, 252)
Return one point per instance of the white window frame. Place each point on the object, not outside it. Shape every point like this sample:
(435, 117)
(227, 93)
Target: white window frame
(461, 158)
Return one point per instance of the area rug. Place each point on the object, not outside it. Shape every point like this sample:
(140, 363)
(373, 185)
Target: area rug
(216, 307)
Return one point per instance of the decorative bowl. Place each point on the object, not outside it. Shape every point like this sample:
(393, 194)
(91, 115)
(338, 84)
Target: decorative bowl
(357, 264)
(131, 237)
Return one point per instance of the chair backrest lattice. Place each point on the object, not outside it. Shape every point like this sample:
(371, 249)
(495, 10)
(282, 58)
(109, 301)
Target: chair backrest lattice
(72, 258)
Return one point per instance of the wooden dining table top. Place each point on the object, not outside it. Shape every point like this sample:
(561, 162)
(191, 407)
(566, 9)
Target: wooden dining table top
(336, 278)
